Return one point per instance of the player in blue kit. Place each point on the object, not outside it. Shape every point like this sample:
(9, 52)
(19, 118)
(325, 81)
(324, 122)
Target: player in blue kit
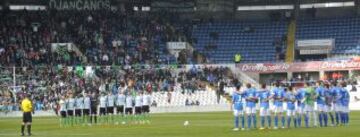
(321, 105)
(345, 100)
(336, 90)
(290, 103)
(330, 103)
(264, 98)
(278, 95)
(237, 107)
(251, 99)
(300, 99)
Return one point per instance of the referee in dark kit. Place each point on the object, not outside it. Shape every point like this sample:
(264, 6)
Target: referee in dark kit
(27, 108)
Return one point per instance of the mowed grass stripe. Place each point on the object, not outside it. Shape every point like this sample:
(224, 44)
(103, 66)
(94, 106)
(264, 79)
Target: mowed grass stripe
(211, 124)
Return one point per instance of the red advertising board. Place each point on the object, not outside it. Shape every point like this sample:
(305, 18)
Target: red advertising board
(299, 66)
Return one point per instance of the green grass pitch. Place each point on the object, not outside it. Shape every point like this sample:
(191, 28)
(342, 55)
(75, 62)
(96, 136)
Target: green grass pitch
(211, 124)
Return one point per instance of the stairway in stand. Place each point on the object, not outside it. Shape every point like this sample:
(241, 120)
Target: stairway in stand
(290, 50)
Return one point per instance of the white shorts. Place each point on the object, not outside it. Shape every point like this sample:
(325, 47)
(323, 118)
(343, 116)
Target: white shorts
(238, 112)
(322, 108)
(278, 109)
(338, 108)
(250, 110)
(331, 108)
(309, 108)
(290, 112)
(300, 110)
(345, 109)
(264, 111)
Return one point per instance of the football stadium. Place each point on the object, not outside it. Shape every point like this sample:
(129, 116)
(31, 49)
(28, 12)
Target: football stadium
(180, 68)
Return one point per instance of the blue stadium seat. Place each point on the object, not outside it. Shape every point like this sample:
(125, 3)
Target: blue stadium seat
(232, 40)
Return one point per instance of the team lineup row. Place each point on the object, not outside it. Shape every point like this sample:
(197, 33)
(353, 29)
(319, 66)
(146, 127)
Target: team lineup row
(330, 99)
(124, 107)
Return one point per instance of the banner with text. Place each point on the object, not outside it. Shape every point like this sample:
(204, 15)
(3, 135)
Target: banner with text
(299, 66)
(79, 4)
(176, 45)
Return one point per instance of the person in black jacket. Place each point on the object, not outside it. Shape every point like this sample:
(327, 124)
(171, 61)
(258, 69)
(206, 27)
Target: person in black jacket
(220, 91)
(94, 103)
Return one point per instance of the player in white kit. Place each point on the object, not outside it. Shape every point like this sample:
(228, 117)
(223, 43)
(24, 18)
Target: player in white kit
(102, 113)
(110, 107)
(128, 107)
(146, 107)
(62, 111)
(138, 108)
(79, 104)
(120, 103)
(86, 108)
(70, 105)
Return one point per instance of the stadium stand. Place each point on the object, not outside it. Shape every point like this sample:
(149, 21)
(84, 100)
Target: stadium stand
(220, 41)
(345, 31)
(47, 84)
(104, 37)
(25, 39)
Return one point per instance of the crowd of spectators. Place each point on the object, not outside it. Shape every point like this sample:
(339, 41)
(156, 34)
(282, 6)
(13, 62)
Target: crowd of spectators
(111, 38)
(103, 37)
(122, 47)
(47, 84)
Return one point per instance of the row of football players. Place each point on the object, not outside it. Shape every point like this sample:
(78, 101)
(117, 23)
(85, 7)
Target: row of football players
(332, 100)
(124, 107)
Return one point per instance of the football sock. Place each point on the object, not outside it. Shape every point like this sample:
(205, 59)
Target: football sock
(314, 118)
(262, 121)
(249, 121)
(254, 121)
(236, 122)
(307, 120)
(321, 119)
(299, 120)
(242, 121)
(288, 121)
(332, 118)
(29, 129)
(62, 120)
(276, 121)
(325, 119)
(337, 115)
(269, 121)
(22, 129)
